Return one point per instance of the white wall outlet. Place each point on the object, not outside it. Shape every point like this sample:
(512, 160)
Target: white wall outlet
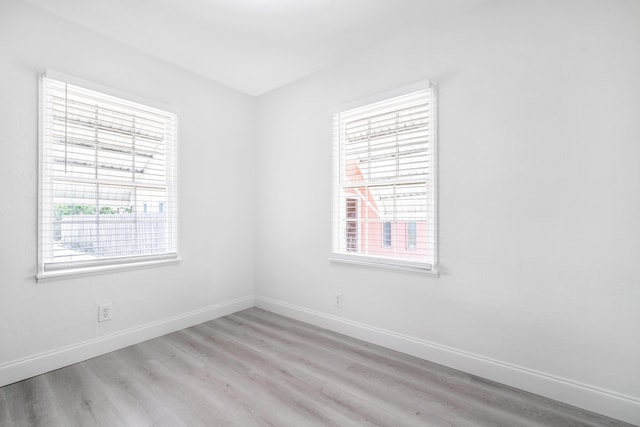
(104, 312)
(337, 299)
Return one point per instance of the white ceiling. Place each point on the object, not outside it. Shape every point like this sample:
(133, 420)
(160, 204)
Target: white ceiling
(253, 46)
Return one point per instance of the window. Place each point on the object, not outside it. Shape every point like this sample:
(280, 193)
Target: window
(384, 159)
(412, 233)
(386, 234)
(104, 162)
(352, 225)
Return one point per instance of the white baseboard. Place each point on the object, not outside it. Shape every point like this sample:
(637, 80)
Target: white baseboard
(44, 362)
(606, 402)
(595, 399)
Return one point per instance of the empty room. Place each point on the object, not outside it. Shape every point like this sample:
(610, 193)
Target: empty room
(320, 212)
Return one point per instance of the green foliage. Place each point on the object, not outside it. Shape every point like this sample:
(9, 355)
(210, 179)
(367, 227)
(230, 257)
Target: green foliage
(73, 209)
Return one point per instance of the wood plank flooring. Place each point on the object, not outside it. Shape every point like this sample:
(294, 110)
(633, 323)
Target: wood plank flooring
(255, 368)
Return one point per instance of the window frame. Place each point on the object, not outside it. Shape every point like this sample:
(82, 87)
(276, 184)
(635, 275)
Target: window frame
(382, 261)
(45, 189)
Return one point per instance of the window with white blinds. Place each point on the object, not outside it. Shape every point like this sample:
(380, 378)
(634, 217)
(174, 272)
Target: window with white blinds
(384, 209)
(108, 181)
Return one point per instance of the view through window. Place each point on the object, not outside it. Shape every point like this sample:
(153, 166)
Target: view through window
(108, 179)
(384, 194)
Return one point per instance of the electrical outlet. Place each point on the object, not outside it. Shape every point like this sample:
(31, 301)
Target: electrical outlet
(337, 299)
(104, 312)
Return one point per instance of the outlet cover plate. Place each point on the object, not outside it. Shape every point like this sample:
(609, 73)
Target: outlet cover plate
(337, 299)
(104, 312)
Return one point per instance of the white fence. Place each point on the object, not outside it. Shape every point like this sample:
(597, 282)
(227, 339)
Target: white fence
(113, 235)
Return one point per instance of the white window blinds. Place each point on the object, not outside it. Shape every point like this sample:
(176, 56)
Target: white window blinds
(108, 180)
(384, 194)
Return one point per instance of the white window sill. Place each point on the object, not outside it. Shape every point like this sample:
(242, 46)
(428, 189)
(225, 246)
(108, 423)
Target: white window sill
(84, 271)
(385, 263)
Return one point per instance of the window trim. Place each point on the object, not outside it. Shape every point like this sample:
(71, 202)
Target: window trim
(381, 262)
(114, 263)
(105, 268)
(385, 262)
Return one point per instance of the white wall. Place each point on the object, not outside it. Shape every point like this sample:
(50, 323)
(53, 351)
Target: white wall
(539, 141)
(215, 275)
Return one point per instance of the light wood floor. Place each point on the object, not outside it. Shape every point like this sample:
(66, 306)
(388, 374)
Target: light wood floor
(255, 368)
